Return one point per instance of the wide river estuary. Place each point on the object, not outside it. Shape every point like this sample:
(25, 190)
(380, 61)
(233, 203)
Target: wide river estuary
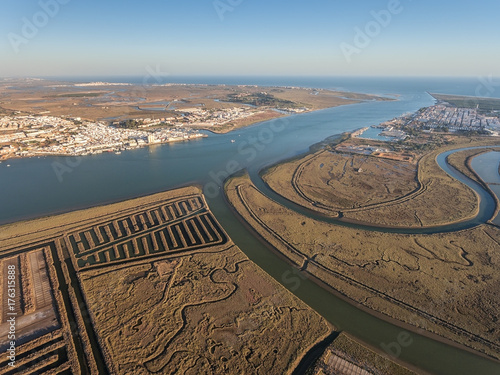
(42, 186)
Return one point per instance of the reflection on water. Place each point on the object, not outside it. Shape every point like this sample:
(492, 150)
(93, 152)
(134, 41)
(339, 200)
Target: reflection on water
(486, 166)
(496, 190)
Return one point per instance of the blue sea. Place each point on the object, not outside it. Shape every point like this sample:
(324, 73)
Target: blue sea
(473, 86)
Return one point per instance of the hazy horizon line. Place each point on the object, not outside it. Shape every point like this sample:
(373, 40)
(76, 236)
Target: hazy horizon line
(82, 76)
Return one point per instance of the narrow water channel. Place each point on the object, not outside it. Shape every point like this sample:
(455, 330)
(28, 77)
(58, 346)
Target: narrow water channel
(36, 187)
(487, 204)
(425, 353)
(487, 167)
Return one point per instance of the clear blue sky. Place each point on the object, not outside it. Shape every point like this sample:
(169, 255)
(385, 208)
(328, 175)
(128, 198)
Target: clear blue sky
(250, 37)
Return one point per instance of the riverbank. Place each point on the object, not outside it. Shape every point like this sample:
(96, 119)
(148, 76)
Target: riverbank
(462, 162)
(241, 123)
(394, 280)
(149, 276)
(372, 190)
(55, 118)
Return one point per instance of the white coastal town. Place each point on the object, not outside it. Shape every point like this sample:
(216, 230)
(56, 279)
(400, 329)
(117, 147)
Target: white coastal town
(38, 134)
(26, 136)
(439, 118)
(457, 119)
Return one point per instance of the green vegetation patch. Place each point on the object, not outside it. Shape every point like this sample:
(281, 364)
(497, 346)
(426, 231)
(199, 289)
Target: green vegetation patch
(129, 124)
(262, 99)
(483, 104)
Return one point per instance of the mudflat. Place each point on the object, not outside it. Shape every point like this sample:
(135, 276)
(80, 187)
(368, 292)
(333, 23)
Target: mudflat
(151, 285)
(376, 190)
(118, 102)
(446, 283)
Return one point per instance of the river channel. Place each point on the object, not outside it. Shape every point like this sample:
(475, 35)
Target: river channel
(487, 167)
(424, 352)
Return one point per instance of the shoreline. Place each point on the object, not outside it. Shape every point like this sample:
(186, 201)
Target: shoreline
(212, 131)
(377, 314)
(20, 239)
(245, 125)
(296, 96)
(114, 150)
(319, 147)
(97, 206)
(209, 130)
(327, 286)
